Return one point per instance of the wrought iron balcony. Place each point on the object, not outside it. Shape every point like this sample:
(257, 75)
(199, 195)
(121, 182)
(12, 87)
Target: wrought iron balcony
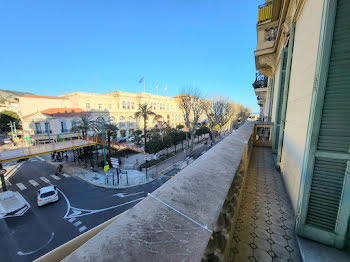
(265, 12)
(260, 81)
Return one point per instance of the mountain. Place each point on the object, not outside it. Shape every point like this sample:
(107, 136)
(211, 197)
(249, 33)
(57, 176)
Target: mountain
(7, 95)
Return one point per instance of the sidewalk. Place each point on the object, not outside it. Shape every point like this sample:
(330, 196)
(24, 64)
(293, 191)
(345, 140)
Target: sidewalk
(129, 179)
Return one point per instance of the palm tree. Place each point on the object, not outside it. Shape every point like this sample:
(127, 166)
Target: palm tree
(144, 111)
(111, 130)
(83, 125)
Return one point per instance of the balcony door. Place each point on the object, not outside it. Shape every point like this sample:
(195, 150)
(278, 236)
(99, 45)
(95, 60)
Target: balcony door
(324, 199)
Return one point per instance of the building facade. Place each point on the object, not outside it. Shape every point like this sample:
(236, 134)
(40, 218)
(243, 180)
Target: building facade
(116, 107)
(303, 58)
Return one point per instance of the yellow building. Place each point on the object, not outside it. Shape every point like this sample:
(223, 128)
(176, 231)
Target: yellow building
(115, 107)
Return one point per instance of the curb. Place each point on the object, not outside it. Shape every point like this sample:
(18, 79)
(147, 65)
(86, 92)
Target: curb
(111, 187)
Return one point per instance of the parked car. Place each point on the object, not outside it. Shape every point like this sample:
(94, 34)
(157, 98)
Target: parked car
(131, 139)
(47, 195)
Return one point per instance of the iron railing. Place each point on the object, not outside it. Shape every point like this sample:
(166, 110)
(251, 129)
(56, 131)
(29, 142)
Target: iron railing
(260, 81)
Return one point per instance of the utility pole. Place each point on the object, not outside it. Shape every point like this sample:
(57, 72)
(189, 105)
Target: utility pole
(11, 130)
(103, 142)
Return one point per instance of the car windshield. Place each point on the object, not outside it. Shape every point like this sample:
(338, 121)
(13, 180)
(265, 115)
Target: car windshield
(47, 194)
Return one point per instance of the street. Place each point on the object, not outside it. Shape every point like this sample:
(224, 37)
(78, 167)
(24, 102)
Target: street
(81, 206)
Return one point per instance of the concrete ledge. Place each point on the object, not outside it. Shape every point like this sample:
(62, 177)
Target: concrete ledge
(151, 231)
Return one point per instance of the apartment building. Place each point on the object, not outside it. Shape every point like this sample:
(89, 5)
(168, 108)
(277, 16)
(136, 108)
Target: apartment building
(303, 60)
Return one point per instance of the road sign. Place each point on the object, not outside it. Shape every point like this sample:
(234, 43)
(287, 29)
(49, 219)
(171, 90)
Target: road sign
(26, 138)
(105, 168)
(147, 157)
(2, 171)
(114, 162)
(16, 139)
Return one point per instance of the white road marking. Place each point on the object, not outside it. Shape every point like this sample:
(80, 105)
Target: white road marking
(45, 179)
(66, 175)
(126, 195)
(72, 219)
(8, 183)
(40, 158)
(77, 223)
(21, 186)
(55, 177)
(33, 182)
(83, 228)
(33, 160)
(31, 252)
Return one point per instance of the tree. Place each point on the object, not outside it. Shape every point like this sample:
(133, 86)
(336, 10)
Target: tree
(191, 104)
(110, 130)
(144, 111)
(153, 146)
(176, 138)
(138, 134)
(5, 118)
(180, 127)
(83, 125)
(167, 142)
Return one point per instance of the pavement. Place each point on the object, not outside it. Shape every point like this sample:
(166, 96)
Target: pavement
(265, 225)
(81, 206)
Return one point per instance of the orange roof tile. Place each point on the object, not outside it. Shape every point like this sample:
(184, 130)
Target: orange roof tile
(60, 112)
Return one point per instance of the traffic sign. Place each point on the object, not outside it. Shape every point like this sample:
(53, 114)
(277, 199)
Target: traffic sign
(147, 157)
(105, 168)
(2, 171)
(27, 138)
(16, 139)
(114, 162)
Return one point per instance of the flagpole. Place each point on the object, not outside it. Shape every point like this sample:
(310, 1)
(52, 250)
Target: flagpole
(144, 85)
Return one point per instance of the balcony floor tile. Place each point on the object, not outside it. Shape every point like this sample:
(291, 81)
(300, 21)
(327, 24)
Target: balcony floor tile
(272, 238)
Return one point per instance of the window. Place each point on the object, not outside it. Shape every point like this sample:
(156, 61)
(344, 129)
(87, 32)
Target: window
(124, 105)
(99, 107)
(167, 107)
(87, 106)
(132, 105)
(110, 106)
(121, 121)
(47, 128)
(128, 105)
(64, 127)
(74, 123)
(37, 128)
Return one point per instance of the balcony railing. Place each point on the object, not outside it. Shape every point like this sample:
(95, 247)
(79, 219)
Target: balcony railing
(260, 81)
(265, 12)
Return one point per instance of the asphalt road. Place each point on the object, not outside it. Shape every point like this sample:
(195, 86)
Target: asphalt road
(81, 206)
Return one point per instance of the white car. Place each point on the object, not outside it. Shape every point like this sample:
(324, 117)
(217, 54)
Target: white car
(47, 195)
(131, 139)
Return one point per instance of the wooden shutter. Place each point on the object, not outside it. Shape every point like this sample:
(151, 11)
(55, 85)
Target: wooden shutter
(280, 99)
(328, 207)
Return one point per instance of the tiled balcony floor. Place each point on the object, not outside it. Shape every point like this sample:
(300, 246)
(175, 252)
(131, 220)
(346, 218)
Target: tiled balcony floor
(265, 225)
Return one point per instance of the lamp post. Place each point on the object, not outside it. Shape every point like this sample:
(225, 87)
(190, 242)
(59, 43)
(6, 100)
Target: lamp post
(103, 141)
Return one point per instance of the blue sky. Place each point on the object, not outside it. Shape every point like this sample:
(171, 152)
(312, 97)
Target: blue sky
(54, 47)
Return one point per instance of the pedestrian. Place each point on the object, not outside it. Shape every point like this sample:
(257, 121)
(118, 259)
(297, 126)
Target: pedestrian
(66, 156)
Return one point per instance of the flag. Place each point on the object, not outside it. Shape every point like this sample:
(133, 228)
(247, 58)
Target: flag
(166, 88)
(157, 87)
(142, 80)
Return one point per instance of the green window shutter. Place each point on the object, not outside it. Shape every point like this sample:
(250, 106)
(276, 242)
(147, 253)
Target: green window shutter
(327, 188)
(279, 101)
(271, 98)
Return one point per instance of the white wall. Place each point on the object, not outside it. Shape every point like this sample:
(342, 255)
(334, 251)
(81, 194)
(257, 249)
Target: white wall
(300, 90)
(275, 91)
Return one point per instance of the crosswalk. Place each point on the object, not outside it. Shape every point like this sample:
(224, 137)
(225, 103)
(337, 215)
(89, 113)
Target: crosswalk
(78, 224)
(41, 181)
